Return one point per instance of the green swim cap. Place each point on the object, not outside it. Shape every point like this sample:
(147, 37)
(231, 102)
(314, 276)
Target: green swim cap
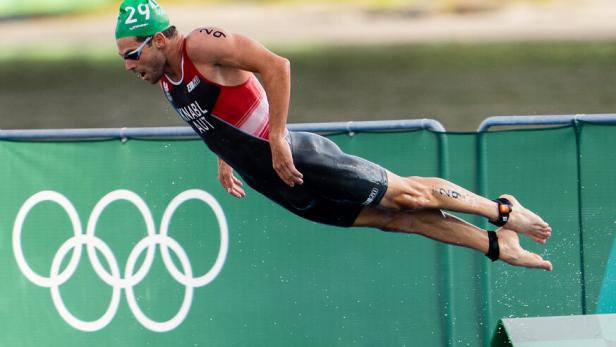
(140, 18)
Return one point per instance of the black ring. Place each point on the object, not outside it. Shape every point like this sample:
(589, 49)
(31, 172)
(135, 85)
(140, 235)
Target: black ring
(493, 249)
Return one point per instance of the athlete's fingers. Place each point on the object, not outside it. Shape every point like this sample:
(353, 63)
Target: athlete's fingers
(292, 175)
(282, 161)
(237, 192)
(237, 181)
(295, 173)
(233, 186)
(227, 179)
(233, 191)
(291, 179)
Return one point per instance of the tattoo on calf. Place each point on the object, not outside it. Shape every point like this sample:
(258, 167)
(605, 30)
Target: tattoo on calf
(213, 32)
(449, 193)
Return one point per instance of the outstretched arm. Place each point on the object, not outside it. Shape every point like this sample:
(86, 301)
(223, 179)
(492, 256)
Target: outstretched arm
(218, 47)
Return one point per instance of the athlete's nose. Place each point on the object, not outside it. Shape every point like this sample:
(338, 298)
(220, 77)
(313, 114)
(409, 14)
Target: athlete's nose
(129, 64)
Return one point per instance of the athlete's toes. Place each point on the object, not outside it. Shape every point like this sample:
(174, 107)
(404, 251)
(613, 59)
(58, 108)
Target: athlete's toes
(542, 229)
(547, 265)
(547, 231)
(541, 240)
(540, 263)
(538, 240)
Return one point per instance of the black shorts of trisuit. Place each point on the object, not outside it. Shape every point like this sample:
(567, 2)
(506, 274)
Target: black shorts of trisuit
(336, 187)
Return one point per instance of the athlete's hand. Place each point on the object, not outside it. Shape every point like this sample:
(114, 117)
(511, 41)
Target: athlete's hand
(282, 161)
(229, 181)
(512, 253)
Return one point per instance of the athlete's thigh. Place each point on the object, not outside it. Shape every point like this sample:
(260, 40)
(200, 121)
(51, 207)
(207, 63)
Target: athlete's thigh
(336, 175)
(305, 202)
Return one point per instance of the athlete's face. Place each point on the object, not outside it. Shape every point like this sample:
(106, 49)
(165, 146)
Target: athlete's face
(142, 58)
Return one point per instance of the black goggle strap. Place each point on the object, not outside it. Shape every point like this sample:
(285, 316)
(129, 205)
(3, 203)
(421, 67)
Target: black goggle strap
(493, 250)
(504, 209)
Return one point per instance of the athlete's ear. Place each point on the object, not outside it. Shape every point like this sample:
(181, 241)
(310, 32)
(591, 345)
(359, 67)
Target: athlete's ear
(159, 40)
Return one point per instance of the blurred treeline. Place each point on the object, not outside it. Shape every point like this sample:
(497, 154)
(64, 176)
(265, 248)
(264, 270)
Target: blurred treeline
(457, 84)
(19, 8)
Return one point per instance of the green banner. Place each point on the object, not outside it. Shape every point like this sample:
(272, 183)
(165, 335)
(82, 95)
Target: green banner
(136, 243)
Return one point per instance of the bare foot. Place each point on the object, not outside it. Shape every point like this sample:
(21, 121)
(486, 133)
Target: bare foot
(512, 253)
(526, 222)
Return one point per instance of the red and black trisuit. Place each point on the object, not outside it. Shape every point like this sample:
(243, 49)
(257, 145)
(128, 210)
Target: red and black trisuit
(233, 122)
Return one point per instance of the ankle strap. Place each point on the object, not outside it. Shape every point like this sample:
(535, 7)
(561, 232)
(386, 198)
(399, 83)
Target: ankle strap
(504, 209)
(493, 249)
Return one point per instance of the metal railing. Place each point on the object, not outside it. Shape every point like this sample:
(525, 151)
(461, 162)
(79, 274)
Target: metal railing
(348, 127)
(187, 132)
(608, 118)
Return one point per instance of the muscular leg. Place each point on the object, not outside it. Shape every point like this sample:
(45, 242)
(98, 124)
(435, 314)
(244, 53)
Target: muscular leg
(447, 228)
(417, 193)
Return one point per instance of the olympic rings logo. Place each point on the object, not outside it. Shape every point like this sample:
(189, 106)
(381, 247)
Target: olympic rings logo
(131, 277)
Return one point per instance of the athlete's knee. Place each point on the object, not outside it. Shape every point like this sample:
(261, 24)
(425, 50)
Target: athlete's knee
(382, 219)
(396, 222)
(389, 223)
(400, 222)
(416, 194)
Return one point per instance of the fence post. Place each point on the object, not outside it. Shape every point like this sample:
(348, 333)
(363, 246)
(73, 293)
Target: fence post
(486, 282)
(577, 126)
(448, 282)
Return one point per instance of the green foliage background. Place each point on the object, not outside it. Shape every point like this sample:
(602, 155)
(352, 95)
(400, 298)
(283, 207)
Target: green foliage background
(457, 84)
